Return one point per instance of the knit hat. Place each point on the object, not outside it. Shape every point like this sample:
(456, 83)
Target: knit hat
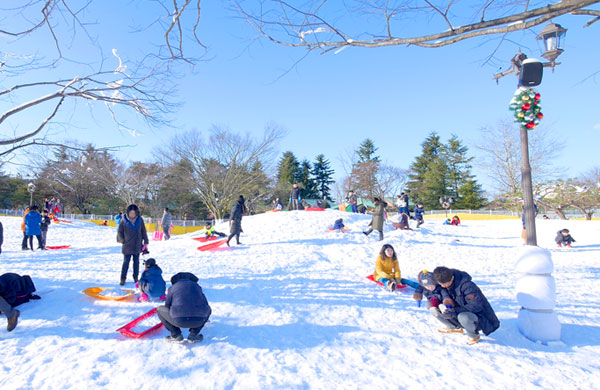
(442, 275)
(150, 262)
(426, 278)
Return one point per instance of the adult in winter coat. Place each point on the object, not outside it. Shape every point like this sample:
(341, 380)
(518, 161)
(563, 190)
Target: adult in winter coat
(166, 223)
(419, 211)
(14, 291)
(295, 198)
(353, 201)
(378, 218)
(185, 307)
(387, 270)
(32, 227)
(132, 235)
(463, 302)
(235, 220)
(151, 283)
(402, 203)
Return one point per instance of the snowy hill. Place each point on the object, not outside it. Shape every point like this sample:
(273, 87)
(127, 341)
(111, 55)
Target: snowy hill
(292, 310)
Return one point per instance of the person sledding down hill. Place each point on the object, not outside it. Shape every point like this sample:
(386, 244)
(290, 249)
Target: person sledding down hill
(387, 269)
(338, 226)
(210, 232)
(564, 238)
(378, 218)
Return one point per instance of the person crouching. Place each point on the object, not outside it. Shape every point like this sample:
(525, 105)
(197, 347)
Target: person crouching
(151, 283)
(185, 307)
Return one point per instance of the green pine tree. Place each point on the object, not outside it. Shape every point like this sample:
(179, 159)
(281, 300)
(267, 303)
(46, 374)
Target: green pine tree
(322, 174)
(287, 169)
(308, 185)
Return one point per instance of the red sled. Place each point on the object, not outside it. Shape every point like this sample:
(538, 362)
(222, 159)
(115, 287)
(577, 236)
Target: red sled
(64, 221)
(57, 246)
(204, 239)
(212, 245)
(370, 277)
(314, 209)
(157, 236)
(126, 330)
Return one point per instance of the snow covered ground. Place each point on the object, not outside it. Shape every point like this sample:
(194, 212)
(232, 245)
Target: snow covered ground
(292, 310)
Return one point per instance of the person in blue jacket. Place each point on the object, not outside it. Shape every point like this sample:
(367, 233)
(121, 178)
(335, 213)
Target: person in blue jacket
(118, 218)
(185, 307)
(463, 302)
(151, 283)
(338, 225)
(32, 227)
(419, 211)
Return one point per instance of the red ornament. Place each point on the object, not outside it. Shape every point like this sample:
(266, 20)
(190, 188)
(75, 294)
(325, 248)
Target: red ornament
(537, 96)
(530, 125)
(526, 106)
(540, 115)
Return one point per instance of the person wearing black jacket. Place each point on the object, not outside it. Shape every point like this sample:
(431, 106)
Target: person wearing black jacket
(235, 220)
(465, 304)
(185, 307)
(133, 237)
(1, 236)
(14, 291)
(44, 227)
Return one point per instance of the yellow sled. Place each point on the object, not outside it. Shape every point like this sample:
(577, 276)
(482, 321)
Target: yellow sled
(94, 292)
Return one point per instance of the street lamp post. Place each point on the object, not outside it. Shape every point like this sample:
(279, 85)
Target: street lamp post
(553, 37)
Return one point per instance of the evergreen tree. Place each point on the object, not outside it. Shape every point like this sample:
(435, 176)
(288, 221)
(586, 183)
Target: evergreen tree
(305, 182)
(420, 189)
(366, 152)
(322, 174)
(462, 185)
(287, 169)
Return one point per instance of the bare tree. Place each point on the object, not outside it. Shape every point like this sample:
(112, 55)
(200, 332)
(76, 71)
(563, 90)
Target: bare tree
(141, 87)
(225, 164)
(501, 156)
(582, 194)
(329, 26)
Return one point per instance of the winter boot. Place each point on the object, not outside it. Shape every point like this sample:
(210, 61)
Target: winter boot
(175, 339)
(12, 321)
(391, 285)
(473, 340)
(559, 245)
(143, 297)
(122, 282)
(195, 337)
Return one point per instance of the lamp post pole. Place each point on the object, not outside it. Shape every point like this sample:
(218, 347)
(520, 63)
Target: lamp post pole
(527, 187)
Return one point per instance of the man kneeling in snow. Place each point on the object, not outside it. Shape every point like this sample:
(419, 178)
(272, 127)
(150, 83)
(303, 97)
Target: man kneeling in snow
(185, 307)
(464, 304)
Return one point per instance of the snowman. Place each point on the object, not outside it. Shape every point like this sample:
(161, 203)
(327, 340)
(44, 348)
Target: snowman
(536, 293)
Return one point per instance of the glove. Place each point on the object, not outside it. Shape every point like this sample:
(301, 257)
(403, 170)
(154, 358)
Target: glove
(299, 199)
(434, 302)
(418, 303)
(417, 296)
(137, 285)
(449, 302)
(449, 314)
(442, 308)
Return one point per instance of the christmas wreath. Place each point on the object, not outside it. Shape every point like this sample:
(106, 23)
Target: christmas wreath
(526, 105)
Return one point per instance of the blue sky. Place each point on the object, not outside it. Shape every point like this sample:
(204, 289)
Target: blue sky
(329, 103)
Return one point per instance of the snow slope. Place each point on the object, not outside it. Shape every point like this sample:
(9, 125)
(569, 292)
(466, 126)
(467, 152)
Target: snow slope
(292, 310)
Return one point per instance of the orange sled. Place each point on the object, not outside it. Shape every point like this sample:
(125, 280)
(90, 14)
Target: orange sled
(94, 292)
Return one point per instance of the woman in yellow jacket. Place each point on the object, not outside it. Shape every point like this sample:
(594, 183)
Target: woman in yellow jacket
(387, 270)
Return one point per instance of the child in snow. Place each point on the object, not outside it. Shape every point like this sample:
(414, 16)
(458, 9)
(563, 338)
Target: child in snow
(186, 307)
(429, 288)
(447, 222)
(44, 227)
(465, 304)
(402, 222)
(151, 283)
(419, 211)
(387, 270)
(564, 238)
(209, 231)
(338, 225)
(455, 221)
